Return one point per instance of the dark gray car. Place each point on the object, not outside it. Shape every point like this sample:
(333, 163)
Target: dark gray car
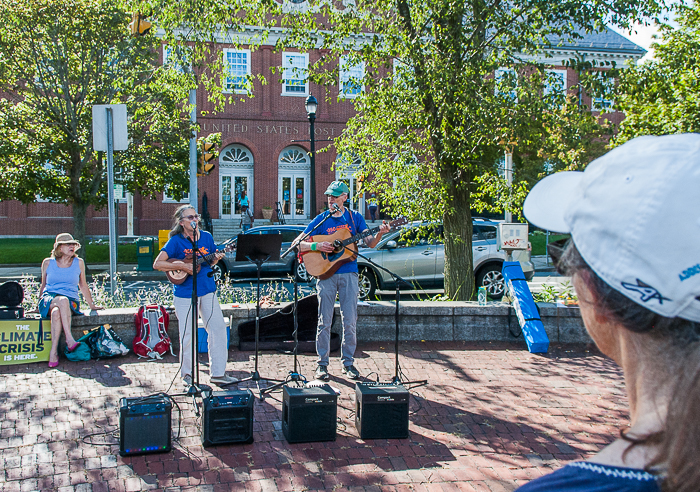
(280, 268)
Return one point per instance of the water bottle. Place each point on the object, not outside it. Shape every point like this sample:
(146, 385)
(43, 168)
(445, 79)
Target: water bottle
(482, 296)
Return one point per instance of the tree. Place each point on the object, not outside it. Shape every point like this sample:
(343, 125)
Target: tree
(433, 118)
(662, 95)
(57, 59)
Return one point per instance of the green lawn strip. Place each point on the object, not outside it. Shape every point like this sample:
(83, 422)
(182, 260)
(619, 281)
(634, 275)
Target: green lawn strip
(538, 241)
(23, 251)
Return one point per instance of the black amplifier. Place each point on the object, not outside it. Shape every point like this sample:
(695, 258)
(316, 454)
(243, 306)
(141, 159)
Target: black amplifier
(309, 414)
(228, 417)
(145, 425)
(381, 410)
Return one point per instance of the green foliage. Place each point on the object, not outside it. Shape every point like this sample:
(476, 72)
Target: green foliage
(57, 60)
(551, 293)
(22, 251)
(539, 241)
(662, 96)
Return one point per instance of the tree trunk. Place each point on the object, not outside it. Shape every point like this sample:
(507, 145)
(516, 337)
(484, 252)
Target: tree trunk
(459, 270)
(79, 213)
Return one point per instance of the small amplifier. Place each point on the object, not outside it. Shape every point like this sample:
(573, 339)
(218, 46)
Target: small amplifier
(228, 417)
(309, 414)
(381, 410)
(145, 425)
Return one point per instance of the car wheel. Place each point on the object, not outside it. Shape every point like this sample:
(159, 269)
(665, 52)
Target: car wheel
(367, 281)
(219, 272)
(491, 277)
(300, 272)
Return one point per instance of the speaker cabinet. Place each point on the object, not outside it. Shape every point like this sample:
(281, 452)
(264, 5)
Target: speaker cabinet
(309, 414)
(381, 410)
(145, 425)
(228, 417)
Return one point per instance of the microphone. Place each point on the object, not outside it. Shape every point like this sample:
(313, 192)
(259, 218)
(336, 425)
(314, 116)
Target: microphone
(193, 224)
(335, 207)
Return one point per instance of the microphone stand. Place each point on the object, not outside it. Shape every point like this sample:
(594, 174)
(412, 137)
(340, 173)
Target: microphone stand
(294, 374)
(195, 389)
(397, 280)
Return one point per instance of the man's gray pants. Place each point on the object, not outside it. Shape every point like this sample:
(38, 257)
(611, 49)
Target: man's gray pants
(347, 288)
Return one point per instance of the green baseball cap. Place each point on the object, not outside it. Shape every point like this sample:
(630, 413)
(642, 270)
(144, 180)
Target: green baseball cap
(337, 188)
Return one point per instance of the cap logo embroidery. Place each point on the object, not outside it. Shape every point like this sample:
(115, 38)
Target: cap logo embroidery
(647, 291)
(689, 272)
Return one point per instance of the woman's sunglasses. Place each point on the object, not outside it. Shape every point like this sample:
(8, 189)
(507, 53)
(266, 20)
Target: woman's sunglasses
(556, 250)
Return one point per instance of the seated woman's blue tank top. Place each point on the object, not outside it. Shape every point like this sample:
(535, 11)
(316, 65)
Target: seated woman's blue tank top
(63, 281)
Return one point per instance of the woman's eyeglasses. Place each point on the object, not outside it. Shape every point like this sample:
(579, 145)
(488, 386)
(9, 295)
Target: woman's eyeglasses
(556, 250)
(191, 217)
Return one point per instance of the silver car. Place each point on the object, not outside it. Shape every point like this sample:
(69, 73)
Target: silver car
(419, 257)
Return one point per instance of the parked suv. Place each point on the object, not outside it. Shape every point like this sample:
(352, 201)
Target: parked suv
(280, 268)
(419, 258)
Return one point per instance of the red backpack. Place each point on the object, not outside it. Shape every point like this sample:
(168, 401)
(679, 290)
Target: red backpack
(152, 338)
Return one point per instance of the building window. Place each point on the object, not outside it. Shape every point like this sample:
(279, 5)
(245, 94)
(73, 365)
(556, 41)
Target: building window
(175, 58)
(601, 102)
(555, 83)
(169, 199)
(295, 82)
(237, 71)
(506, 83)
(351, 76)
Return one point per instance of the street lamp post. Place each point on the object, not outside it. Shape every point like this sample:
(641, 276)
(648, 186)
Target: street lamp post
(311, 105)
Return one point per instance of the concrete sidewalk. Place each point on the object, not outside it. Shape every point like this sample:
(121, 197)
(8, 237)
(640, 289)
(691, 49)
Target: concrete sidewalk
(491, 418)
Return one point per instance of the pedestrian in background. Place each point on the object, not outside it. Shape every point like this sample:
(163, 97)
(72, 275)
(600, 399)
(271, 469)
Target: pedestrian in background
(246, 218)
(373, 207)
(634, 260)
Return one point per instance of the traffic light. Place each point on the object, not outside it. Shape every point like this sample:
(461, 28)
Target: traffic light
(139, 26)
(206, 155)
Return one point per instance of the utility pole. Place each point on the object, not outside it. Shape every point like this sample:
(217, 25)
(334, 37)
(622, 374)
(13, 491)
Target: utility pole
(509, 180)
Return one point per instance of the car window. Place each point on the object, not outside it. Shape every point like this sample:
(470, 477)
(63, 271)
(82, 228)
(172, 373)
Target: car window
(288, 236)
(413, 237)
(482, 233)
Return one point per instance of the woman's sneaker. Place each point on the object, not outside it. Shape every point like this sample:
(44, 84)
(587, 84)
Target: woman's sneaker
(187, 381)
(322, 373)
(224, 380)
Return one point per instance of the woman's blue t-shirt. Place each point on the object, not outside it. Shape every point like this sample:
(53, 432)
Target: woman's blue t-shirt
(582, 476)
(178, 247)
(350, 220)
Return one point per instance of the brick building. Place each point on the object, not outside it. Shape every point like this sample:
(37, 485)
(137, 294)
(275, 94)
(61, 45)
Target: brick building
(265, 144)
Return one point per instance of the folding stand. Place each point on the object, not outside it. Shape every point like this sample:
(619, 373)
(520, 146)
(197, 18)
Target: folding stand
(257, 249)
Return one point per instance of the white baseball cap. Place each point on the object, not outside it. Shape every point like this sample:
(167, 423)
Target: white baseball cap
(634, 215)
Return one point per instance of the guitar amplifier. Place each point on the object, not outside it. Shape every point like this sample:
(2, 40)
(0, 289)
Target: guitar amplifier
(309, 414)
(228, 417)
(145, 425)
(381, 410)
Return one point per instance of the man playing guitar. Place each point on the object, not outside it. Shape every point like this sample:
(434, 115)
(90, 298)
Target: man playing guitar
(173, 256)
(344, 282)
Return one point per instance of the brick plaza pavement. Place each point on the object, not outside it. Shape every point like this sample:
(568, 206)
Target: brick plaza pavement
(492, 417)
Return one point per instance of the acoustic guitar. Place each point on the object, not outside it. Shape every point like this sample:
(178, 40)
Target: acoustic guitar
(323, 265)
(179, 276)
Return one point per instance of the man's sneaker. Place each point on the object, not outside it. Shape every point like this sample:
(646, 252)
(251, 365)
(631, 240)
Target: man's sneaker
(224, 380)
(322, 373)
(187, 381)
(351, 372)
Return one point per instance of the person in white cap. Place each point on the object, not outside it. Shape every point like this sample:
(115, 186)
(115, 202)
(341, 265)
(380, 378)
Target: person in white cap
(634, 255)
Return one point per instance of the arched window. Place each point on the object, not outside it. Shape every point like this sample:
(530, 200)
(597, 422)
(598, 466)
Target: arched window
(236, 165)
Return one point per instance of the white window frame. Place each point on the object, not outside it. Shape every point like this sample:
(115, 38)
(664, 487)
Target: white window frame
(169, 199)
(348, 72)
(548, 89)
(288, 73)
(229, 84)
(604, 105)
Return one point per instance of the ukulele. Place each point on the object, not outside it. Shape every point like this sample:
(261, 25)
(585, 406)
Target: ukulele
(177, 277)
(323, 265)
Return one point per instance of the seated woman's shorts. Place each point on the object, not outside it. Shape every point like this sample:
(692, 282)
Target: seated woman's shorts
(45, 304)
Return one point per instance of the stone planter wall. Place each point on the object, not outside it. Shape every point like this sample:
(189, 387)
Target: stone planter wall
(430, 321)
